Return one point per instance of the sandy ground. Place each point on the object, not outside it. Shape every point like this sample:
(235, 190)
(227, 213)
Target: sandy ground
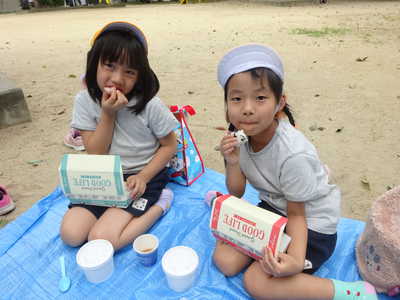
(343, 86)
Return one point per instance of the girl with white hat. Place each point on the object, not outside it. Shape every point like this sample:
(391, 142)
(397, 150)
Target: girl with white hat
(280, 162)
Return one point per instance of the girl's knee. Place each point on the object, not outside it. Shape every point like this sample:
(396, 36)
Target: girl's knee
(100, 234)
(249, 282)
(256, 282)
(72, 236)
(76, 225)
(229, 260)
(97, 233)
(227, 265)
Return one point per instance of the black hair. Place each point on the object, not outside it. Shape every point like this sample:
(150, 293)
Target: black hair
(274, 82)
(117, 46)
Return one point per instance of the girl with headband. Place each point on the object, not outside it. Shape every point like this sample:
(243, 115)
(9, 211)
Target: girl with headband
(119, 113)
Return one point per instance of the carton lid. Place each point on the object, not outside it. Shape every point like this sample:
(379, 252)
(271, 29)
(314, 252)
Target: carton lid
(180, 261)
(91, 163)
(95, 253)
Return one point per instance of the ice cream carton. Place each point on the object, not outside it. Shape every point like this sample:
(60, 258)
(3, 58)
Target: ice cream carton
(93, 180)
(247, 227)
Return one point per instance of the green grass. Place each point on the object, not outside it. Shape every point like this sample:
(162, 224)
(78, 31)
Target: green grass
(3, 222)
(326, 31)
(391, 18)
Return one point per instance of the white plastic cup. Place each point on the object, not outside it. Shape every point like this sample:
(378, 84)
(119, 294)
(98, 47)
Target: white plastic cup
(180, 265)
(96, 259)
(146, 248)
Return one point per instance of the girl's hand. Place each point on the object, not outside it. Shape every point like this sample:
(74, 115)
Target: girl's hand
(136, 185)
(229, 150)
(281, 266)
(113, 100)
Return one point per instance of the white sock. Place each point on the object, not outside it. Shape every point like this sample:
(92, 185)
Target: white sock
(165, 200)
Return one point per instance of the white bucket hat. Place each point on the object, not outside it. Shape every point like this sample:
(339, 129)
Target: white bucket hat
(248, 57)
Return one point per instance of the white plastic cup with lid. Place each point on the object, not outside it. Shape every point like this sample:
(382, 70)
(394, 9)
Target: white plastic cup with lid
(180, 265)
(96, 259)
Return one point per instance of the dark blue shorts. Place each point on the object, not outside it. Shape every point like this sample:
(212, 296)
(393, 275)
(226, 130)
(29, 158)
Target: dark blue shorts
(139, 207)
(320, 246)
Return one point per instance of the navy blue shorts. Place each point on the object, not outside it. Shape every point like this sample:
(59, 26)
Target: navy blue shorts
(320, 246)
(138, 207)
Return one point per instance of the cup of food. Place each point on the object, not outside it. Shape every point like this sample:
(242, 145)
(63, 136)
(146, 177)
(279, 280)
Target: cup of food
(146, 246)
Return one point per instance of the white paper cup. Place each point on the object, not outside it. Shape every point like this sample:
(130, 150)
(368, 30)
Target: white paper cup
(95, 258)
(180, 265)
(146, 246)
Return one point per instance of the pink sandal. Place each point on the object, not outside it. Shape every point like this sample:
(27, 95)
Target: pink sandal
(6, 203)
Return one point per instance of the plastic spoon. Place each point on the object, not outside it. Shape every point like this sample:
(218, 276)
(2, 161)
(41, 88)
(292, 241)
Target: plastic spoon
(65, 282)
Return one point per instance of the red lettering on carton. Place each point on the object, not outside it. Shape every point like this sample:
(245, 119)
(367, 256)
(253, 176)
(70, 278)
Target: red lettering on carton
(247, 227)
(245, 220)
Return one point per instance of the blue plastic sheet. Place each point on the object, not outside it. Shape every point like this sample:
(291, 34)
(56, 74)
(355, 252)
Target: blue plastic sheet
(30, 248)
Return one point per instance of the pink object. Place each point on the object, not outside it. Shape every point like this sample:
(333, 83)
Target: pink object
(369, 288)
(378, 248)
(394, 291)
(210, 196)
(6, 203)
(73, 139)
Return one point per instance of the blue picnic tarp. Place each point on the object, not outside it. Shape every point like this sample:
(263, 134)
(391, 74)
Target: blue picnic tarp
(30, 248)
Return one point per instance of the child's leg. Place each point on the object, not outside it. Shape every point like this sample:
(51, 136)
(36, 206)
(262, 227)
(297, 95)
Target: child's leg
(76, 225)
(303, 286)
(121, 227)
(229, 260)
(140, 225)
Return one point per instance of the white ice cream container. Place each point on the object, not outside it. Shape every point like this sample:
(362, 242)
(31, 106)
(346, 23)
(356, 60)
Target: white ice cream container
(180, 265)
(96, 259)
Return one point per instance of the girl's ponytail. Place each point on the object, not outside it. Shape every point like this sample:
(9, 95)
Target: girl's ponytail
(288, 112)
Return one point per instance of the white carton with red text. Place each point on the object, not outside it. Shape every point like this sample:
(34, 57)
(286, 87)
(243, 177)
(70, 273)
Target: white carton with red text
(247, 227)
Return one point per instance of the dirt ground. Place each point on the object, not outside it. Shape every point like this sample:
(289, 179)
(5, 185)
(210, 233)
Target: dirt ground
(342, 62)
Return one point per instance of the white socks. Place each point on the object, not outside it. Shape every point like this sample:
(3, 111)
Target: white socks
(165, 200)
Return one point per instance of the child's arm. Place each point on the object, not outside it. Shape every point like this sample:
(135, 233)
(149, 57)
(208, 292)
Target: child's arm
(99, 140)
(137, 183)
(235, 179)
(292, 262)
(296, 228)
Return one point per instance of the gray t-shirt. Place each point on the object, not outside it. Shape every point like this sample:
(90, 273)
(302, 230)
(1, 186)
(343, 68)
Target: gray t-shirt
(135, 137)
(288, 168)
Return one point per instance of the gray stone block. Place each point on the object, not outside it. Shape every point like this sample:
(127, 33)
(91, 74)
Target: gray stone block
(13, 107)
(9, 5)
